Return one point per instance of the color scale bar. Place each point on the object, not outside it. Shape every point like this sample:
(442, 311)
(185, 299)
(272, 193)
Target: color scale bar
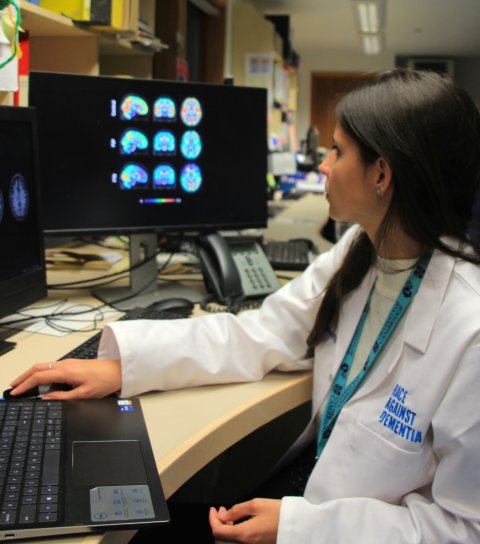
(160, 200)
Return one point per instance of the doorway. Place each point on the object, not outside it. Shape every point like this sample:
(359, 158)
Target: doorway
(326, 89)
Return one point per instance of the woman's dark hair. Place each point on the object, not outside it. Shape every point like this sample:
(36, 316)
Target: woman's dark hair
(428, 130)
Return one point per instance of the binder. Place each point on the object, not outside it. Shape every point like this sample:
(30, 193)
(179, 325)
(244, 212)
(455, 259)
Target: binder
(100, 11)
(114, 16)
(77, 10)
(117, 16)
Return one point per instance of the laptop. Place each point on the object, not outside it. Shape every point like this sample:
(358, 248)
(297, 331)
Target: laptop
(76, 466)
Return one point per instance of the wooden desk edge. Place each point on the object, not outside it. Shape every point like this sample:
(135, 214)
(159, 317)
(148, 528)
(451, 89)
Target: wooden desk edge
(199, 449)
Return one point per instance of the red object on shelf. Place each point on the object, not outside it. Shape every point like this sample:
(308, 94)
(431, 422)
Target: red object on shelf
(20, 97)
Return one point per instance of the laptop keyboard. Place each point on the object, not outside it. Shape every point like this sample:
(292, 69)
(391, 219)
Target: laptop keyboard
(30, 445)
(31, 440)
(295, 254)
(88, 349)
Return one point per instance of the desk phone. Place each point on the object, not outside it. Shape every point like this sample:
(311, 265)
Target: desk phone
(235, 269)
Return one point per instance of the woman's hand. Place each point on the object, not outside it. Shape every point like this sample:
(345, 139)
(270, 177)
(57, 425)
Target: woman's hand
(252, 521)
(89, 378)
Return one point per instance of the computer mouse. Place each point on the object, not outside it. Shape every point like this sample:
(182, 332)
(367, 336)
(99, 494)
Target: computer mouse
(37, 392)
(173, 304)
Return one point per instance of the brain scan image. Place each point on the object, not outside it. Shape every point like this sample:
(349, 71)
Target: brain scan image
(19, 199)
(191, 144)
(164, 109)
(191, 112)
(133, 176)
(191, 178)
(164, 177)
(134, 107)
(133, 141)
(164, 143)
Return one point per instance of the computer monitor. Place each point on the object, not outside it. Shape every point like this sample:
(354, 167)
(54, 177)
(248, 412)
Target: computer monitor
(22, 268)
(139, 156)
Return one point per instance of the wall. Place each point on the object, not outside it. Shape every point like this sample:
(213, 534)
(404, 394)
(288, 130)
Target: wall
(332, 61)
(467, 74)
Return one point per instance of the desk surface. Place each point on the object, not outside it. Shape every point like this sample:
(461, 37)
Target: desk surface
(189, 428)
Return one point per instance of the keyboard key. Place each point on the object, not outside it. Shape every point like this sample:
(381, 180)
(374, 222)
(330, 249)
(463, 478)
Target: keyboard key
(52, 507)
(47, 517)
(10, 505)
(27, 514)
(7, 517)
(51, 467)
(49, 490)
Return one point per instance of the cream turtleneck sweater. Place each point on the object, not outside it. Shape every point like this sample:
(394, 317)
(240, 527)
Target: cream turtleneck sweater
(391, 275)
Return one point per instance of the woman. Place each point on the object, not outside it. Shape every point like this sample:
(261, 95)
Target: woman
(388, 319)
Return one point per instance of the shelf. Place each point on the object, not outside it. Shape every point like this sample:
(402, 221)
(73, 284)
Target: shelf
(43, 23)
(112, 46)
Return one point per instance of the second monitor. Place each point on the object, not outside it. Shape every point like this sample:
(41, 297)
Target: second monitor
(129, 156)
(120, 155)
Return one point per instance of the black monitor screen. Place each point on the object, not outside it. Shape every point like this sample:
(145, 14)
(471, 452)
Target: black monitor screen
(126, 155)
(22, 271)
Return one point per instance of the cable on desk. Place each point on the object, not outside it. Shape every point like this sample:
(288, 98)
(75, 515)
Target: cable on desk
(64, 316)
(50, 318)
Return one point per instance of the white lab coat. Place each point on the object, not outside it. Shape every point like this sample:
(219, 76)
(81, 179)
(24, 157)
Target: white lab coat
(403, 462)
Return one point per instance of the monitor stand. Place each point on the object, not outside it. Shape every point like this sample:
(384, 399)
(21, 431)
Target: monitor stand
(144, 288)
(6, 345)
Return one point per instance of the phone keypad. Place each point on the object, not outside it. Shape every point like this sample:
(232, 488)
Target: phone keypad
(257, 276)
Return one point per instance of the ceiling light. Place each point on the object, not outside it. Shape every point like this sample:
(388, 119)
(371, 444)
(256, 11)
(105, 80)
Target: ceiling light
(370, 14)
(370, 20)
(372, 43)
(368, 17)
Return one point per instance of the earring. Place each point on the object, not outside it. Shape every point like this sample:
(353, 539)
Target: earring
(379, 192)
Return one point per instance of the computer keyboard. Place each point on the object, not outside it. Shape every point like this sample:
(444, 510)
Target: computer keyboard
(30, 446)
(89, 348)
(295, 254)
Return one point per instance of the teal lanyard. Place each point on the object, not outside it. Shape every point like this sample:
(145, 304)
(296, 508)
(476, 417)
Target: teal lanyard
(340, 393)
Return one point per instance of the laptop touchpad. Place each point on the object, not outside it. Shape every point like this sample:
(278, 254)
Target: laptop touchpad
(115, 462)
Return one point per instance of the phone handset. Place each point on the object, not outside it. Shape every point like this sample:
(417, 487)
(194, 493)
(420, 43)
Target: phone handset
(219, 268)
(236, 269)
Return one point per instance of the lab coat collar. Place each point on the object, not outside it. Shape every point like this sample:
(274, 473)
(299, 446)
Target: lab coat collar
(427, 302)
(424, 308)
